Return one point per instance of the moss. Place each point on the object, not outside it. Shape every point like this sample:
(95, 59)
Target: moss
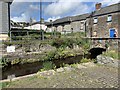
(74, 65)
(85, 60)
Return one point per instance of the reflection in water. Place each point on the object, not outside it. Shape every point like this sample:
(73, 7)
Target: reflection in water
(30, 68)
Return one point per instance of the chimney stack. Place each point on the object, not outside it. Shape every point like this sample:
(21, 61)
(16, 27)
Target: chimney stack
(98, 6)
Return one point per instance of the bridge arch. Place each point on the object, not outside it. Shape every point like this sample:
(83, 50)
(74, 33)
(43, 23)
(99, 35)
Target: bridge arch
(94, 52)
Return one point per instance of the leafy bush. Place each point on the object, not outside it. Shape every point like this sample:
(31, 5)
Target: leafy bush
(63, 42)
(4, 61)
(48, 65)
(70, 40)
(57, 42)
(50, 56)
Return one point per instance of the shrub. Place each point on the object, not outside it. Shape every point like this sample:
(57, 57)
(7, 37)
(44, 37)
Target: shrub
(4, 61)
(50, 56)
(48, 65)
(63, 42)
(58, 42)
(4, 84)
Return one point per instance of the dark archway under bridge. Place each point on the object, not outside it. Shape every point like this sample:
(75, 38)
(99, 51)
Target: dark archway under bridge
(99, 45)
(94, 52)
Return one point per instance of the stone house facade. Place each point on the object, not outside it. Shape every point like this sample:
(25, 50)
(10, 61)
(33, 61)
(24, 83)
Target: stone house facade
(101, 23)
(104, 22)
(69, 24)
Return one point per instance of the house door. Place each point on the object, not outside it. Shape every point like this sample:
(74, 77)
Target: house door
(112, 32)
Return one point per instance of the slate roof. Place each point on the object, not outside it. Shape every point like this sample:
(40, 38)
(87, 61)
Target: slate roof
(39, 22)
(62, 20)
(80, 17)
(69, 19)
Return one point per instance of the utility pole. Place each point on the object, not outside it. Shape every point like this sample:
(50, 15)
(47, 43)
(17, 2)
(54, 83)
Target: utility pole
(40, 9)
(42, 32)
(71, 25)
(10, 35)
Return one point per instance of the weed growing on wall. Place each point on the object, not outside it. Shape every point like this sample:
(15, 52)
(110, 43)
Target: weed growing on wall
(47, 65)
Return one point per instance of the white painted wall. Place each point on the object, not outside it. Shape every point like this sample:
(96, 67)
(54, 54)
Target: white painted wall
(36, 27)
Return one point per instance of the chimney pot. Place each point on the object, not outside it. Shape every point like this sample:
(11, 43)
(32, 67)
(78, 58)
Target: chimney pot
(98, 6)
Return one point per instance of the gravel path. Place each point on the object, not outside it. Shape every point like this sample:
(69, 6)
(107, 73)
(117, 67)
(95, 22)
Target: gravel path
(81, 76)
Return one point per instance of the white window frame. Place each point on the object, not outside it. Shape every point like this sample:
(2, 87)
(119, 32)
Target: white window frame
(109, 18)
(95, 20)
(81, 25)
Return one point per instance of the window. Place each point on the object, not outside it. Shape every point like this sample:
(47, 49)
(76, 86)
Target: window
(95, 20)
(95, 34)
(81, 25)
(109, 18)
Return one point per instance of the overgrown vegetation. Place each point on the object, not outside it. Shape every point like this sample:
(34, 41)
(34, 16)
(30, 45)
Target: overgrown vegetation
(85, 60)
(48, 65)
(4, 84)
(64, 45)
(70, 40)
(4, 62)
(112, 53)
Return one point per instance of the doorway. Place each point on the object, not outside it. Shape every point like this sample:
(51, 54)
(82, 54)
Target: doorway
(112, 33)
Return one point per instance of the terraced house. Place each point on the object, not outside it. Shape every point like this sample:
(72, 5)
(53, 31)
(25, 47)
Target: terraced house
(69, 24)
(4, 18)
(102, 23)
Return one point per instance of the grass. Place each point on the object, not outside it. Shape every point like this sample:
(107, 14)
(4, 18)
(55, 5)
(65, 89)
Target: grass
(4, 84)
(85, 60)
(74, 65)
(112, 53)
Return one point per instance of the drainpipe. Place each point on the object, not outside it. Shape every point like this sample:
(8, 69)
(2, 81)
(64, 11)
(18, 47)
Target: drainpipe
(71, 25)
(91, 15)
(91, 24)
(85, 32)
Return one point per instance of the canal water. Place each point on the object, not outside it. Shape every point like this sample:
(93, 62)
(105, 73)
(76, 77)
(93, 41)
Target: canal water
(30, 68)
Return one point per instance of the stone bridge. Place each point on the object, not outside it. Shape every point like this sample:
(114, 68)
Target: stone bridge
(105, 43)
(99, 45)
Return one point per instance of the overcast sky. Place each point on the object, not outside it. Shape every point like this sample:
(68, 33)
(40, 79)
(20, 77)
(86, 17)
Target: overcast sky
(22, 11)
